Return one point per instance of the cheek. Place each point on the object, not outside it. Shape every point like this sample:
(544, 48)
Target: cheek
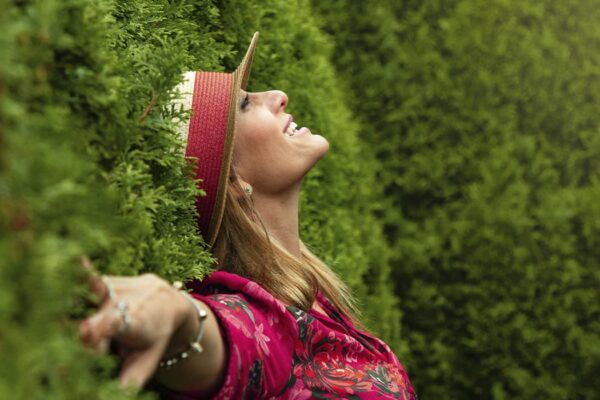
(252, 130)
(258, 133)
(251, 153)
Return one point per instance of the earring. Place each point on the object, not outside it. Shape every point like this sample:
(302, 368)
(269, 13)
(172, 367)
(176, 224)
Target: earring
(248, 190)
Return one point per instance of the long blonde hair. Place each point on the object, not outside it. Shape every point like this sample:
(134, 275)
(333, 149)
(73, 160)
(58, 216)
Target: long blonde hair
(244, 247)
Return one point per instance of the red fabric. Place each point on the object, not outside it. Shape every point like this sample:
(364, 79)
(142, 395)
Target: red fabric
(279, 352)
(206, 137)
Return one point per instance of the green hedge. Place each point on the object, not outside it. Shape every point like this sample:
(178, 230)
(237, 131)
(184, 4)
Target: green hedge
(90, 164)
(484, 115)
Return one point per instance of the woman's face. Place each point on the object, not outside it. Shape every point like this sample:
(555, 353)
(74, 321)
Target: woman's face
(268, 153)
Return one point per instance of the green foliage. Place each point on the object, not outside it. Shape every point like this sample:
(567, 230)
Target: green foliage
(483, 115)
(82, 173)
(52, 208)
(90, 164)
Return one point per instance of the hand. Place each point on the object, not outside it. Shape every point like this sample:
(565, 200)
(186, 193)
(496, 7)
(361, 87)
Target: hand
(150, 312)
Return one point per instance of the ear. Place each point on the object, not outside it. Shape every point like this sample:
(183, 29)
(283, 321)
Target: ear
(241, 187)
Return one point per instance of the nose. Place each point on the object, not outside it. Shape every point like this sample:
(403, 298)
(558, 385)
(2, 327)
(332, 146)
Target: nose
(278, 100)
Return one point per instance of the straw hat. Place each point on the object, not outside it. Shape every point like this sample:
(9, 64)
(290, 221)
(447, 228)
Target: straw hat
(213, 100)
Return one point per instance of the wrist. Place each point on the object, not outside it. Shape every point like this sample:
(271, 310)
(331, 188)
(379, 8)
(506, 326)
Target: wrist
(187, 336)
(199, 371)
(186, 322)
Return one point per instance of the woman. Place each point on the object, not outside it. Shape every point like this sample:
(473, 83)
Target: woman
(273, 321)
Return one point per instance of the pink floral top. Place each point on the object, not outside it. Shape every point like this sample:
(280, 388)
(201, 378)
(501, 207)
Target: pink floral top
(282, 352)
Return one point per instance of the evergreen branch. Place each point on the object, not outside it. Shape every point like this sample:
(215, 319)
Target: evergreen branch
(148, 109)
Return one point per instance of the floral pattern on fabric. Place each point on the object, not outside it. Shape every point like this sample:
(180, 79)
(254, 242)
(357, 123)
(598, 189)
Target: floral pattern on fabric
(250, 333)
(279, 352)
(334, 365)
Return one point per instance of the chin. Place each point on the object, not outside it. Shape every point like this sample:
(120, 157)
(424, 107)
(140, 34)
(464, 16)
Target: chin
(321, 146)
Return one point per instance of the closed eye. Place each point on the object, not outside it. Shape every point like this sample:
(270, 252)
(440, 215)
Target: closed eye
(244, 102)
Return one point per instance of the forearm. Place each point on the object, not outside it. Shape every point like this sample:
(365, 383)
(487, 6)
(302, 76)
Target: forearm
(200, 371)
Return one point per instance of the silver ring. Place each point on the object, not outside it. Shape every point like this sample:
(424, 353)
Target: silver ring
(109, 288)
(123, 310)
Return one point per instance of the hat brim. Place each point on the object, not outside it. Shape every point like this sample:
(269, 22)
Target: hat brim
(240, 81)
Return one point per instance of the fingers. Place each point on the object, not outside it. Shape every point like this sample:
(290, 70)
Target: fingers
(139, 367)
(98, 284)
(113, 319)
(97, 330)
(87, 264)
(141, 340)
(99, 287)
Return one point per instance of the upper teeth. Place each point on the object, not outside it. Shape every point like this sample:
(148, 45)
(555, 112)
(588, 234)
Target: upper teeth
(291, 129)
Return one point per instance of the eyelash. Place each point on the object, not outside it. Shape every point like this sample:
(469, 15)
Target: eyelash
(245, 101)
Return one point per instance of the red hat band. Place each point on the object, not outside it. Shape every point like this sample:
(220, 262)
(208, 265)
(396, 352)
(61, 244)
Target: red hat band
(207, 141)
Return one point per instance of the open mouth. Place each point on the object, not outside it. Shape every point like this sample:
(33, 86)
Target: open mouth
(291, 128)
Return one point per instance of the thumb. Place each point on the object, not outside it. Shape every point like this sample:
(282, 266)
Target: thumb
(139, 366)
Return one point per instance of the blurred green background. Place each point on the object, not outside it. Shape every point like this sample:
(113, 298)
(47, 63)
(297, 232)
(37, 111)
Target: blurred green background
(459, 198)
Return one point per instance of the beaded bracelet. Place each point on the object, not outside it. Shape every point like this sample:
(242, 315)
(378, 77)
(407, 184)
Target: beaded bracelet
(195, 346)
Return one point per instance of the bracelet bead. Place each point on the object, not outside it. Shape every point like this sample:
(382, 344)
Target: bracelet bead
(194, 346)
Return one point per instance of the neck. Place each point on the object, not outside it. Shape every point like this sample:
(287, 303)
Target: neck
(279, 213)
